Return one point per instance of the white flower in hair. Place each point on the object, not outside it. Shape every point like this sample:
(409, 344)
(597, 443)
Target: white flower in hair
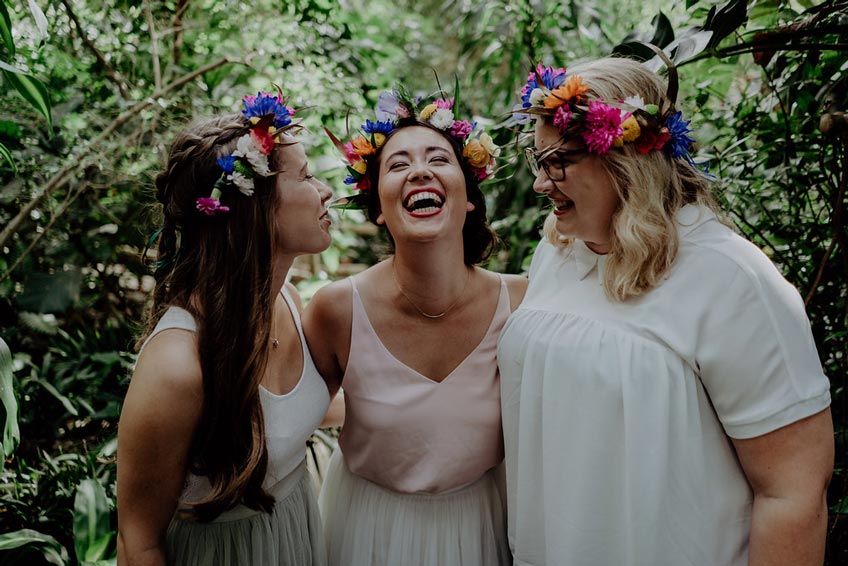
(245, 185)
(487, 142)
(442, 119)
(251, 149)
(635, 102)
(537, 97)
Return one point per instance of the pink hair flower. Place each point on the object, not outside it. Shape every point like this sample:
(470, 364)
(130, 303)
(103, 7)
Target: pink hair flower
(602, 126)
(561, 118)
(461, 129)
(350, 153)
(211, 206)
(447, 104)
(265, 139)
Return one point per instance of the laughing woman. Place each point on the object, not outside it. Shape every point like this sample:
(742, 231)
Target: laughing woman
(211, 443)
(412, 341)
(663, 400)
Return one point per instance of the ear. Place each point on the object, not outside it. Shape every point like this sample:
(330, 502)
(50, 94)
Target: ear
(469, 206)
(380, 220)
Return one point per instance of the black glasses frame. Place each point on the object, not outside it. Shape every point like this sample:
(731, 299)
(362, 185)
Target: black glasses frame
(541, 160)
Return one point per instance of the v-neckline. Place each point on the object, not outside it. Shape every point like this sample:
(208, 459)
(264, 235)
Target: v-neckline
(412, 369)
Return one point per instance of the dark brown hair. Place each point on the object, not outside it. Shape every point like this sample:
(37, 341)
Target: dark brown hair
(478, 239)
(219, 268)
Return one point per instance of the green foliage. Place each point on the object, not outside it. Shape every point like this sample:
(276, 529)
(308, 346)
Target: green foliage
(123, 77)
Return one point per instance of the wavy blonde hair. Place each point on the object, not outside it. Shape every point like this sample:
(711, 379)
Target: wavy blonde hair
(651, 187)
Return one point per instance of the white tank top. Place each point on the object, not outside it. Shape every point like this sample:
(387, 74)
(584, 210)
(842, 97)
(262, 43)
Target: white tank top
(290, 419)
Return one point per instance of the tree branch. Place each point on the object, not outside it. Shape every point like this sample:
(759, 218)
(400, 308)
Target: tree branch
(177, 24)
(111, 73)
(154, 46)
(61, 177)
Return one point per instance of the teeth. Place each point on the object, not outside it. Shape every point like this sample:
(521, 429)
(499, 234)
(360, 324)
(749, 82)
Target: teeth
(424, 195)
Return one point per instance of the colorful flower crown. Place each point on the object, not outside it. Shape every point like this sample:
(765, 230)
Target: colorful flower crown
(479, 150)
(603, 125)
(270, 118)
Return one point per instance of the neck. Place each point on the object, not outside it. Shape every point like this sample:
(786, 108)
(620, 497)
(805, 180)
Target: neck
(282, 265)
(432, 276)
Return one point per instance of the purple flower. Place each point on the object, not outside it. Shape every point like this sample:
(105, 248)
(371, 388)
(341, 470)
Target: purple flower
(265, 103)
(387, 107)
(227, 163)
(679, 130)
(551, 78)
(461, 129)
(381, 127)
(211, 206)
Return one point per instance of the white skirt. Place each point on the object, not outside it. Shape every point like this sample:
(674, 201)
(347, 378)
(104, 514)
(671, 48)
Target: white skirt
(369, 525)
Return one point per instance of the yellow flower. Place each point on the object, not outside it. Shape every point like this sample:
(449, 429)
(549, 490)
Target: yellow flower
(573, 88)
(428, 111)
(631, 132)
(359, 167)
(379, 139)
(476, 154)
(362, 147)
(487, 142)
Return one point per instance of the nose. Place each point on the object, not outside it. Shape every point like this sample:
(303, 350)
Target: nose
(325, 191)
(419, 170)
(542, 184)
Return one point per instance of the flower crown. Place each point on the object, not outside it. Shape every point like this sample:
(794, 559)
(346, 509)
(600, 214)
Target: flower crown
(478, 150)
(603, 125)
(269, 117)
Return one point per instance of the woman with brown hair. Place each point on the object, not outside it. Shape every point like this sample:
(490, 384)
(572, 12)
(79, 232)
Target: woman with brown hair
(663, 401)
(412, 342)
(211, 443)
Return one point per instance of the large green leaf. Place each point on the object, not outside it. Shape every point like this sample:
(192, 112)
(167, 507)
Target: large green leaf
(39, 17)
(53, 552)
(32, 89)
(6, 29)
(11, 432)
(92, 534)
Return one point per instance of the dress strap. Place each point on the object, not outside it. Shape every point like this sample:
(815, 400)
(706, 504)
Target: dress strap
(174, 317)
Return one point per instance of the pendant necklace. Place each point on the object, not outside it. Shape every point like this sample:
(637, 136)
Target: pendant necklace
(274, 342)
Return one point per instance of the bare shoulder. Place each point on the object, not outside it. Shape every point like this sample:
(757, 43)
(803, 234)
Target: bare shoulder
(331, 303)
(517, 286)
(168, 370)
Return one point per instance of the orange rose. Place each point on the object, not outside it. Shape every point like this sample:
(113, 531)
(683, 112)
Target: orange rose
(476, 154)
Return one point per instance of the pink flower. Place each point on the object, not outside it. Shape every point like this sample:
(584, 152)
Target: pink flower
(446, 104)
(350, 153)
(480, 172)
(602, 126)
(402, 111)
(290, 109)
(364, 184)
(461, 129)
(211, 206)
(561, 118)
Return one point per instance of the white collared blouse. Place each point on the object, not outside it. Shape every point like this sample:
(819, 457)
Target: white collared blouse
(617, 415)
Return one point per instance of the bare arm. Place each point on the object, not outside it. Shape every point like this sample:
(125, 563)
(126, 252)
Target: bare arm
(327, 323)
(789, 470)
(160, 413)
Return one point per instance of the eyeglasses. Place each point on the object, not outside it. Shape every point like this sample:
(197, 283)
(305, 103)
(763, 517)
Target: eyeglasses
(554, 161)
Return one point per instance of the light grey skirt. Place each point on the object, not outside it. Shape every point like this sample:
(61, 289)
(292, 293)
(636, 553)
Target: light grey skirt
(290, 535)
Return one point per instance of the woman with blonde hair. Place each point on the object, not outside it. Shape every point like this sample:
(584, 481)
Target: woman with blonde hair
(212, 437)
(663, 401)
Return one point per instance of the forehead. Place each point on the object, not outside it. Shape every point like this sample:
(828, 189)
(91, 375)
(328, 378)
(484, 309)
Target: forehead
(414, 137)
(289, 155)
(547, 136)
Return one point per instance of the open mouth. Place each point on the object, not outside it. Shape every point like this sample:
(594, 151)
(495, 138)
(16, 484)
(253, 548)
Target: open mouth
(424, 202)
(562, 206)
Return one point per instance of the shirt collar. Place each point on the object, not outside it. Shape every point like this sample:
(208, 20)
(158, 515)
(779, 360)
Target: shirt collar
(689, 217)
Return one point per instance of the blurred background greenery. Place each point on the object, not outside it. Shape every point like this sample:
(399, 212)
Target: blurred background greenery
(93, 91)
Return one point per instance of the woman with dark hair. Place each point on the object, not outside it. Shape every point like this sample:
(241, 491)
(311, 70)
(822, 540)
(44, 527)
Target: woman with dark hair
(412, 342)
(663, 401)
(211, 443)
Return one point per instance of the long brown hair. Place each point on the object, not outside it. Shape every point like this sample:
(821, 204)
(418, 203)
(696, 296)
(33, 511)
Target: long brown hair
(219, 268)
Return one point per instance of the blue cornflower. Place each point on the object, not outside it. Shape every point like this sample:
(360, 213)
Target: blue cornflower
(350, 180)
(679, 129)
(265, 103)
(382, 127)
(227, 163)
(551, 79)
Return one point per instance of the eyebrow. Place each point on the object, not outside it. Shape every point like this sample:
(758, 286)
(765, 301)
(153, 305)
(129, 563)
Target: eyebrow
(429, 149)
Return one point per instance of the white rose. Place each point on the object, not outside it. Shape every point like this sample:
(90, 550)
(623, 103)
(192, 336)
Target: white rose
(537, 97)
(442, 119)
(487, 142)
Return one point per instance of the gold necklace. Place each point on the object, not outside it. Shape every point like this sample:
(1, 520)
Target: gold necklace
(274, 342)
(421, 312)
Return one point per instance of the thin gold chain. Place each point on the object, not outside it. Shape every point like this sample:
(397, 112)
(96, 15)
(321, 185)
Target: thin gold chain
(274, 342)
(417, 308)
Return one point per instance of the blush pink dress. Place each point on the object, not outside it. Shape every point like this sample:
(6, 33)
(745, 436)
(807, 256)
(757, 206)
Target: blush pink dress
(416, 476)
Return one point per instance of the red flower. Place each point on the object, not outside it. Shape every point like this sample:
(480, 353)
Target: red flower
(265, 139)
(651, 140)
